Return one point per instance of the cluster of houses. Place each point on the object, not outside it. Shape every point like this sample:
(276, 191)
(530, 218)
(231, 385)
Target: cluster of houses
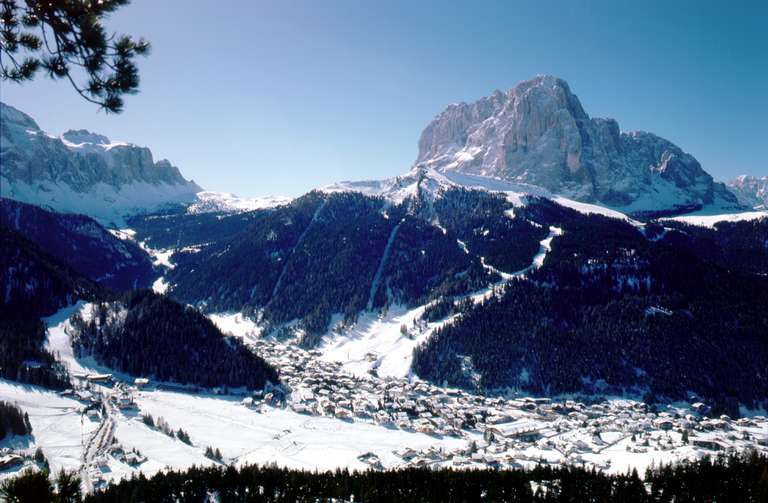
(498, 431)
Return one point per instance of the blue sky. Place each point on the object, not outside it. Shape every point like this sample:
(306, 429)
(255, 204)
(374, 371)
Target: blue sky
(280, 97)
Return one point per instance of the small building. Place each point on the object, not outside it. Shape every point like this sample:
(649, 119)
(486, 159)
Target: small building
(99, 378)
(125, 401)
(525, 431)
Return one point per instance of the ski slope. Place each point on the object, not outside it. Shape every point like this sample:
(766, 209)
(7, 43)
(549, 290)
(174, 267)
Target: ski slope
(377, 341)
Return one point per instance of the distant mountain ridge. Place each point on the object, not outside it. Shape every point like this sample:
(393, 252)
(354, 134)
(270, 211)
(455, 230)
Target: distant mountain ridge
(538, 133)
(751, 191)
(83, 172)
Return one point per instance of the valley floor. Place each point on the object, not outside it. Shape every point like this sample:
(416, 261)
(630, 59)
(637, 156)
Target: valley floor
(337, 418)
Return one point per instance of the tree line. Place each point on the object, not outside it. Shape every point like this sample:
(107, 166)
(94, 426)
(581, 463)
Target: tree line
(738, 477)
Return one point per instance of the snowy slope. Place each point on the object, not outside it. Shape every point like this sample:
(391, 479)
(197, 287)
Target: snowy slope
(705, 220)
(208, 201)
(430, 183)
(377, 341)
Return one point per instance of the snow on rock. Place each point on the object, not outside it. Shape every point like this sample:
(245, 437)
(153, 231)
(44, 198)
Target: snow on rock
(538, 133)
(108, 204)
(83, 172)
(208, 202)
(430, 183)
(751, 191)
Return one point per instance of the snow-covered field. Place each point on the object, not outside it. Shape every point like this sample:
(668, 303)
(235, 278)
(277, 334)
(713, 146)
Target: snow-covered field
(57, 425)
(243, 435)
(279, 435)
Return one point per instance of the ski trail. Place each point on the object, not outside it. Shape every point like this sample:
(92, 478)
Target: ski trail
(382, 263)
(505, 276)
(298, 243)
(545, 246)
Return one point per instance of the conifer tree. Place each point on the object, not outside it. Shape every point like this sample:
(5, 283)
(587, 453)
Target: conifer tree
(67, 39)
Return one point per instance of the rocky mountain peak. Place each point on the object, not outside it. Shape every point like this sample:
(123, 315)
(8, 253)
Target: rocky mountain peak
(10, 117)
(85, 136)
(83, 172)
(752, 191)
(539, 133)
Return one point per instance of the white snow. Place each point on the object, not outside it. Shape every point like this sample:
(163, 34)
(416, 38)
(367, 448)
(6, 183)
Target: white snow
(105, 203)
(236, 324)
(279, 435)
(376, 341)
(703, 220)
(57, 425)
(265, 434)
(209, 201)
(590, 209)
(434, 183)
(160, 285)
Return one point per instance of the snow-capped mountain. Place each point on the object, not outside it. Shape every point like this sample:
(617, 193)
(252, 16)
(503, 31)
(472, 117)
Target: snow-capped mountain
(83, 172)
(224, 202)
(750, 190)
(538, 133)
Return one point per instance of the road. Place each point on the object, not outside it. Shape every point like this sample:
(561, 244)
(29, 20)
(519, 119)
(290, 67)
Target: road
(97, 444)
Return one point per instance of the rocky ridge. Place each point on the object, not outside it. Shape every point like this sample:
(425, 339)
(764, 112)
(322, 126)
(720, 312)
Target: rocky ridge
(83, 172)
(751, 190)
(538, 133)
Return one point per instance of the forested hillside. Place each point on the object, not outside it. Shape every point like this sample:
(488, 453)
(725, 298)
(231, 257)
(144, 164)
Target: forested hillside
(325, 254)
(612, 311)
(175, 228)
(35, 284)
(146, 334)
(13, 421)
(81, 243)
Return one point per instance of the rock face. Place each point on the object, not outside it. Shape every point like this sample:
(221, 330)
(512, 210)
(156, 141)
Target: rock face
(83, 172)
(538, 133)
(751, 191)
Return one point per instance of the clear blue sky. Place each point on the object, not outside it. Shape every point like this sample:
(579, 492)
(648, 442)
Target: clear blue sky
(280, 97)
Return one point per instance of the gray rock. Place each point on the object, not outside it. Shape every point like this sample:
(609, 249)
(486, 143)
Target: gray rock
(83, 172)
(751, 191)
(538, 133)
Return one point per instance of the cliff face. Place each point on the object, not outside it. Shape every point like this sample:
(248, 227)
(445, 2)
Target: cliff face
(538, 133)
(83, 172)
(751, 191)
